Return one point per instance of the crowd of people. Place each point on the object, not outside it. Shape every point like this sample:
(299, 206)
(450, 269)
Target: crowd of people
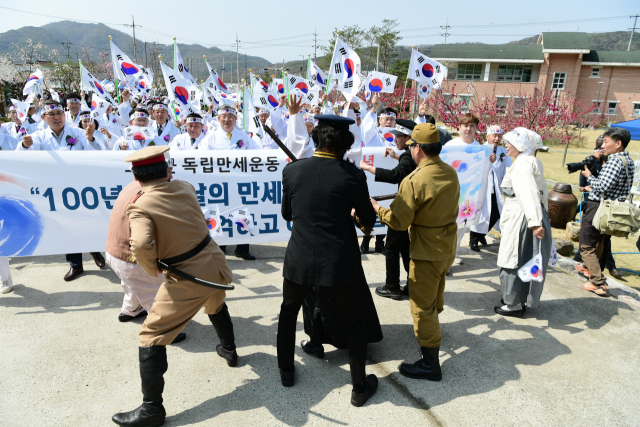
(322, 270)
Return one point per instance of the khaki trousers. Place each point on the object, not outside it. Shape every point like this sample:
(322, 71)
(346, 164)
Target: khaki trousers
(175, 305)
(426, 293)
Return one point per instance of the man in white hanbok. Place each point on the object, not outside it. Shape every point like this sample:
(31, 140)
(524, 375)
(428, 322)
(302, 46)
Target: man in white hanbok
(191, 139)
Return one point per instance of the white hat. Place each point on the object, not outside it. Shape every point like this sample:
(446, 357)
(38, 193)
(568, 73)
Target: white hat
(523, 140)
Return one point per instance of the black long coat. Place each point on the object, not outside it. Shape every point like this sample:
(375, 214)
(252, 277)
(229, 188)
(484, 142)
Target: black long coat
(406, 165)
(318, 195)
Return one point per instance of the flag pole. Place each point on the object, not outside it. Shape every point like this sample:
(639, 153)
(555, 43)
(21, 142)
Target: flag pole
(243, 112)
(405, 84)
(329, 78)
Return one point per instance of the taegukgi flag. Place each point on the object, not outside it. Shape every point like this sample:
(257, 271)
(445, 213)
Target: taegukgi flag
(33, 86)
(345, 65)
(425, 70)
(380, 82)
(91, 84)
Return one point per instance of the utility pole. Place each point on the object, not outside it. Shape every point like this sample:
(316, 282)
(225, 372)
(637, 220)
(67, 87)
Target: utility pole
(66, 44)
(133, 26)
(237, 59)
(632, 31)
(315, 45)
(446, 31)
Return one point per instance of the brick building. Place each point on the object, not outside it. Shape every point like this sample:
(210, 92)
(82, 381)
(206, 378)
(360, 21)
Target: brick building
(563, 62)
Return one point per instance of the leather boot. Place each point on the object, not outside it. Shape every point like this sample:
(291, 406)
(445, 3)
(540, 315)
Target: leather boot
(153, 365)
(224, 328)
(387, 291)
(427, 368)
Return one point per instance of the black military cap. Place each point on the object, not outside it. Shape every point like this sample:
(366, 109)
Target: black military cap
(403, 127)
(334, 121)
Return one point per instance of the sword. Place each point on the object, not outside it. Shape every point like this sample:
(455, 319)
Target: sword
(273, 136)
(193, 279)
(385, 197)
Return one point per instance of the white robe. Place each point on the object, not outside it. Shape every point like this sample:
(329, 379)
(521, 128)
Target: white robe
(169, 131)
(183, 142)
(496, 174)
(112, 123)
(44, 140)
(218, 140)
(7, 142)
(298, 139)
(133, 145)
(70, 121)
(100, 141)
(526, 177)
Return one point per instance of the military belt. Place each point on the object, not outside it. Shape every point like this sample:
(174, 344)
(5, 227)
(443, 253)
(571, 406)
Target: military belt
(189, 254)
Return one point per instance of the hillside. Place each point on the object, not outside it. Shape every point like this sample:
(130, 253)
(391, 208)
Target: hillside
(95, 36)
(615, 40)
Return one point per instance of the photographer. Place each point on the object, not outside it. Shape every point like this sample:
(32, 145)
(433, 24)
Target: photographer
(613, 183)
(606, 259)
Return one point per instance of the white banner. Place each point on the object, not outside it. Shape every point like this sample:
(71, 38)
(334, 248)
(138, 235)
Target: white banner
(58, 202)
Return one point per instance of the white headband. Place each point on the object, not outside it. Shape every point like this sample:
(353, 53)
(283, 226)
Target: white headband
(403, 129)
(85, 116)
(73, 100)
(194, 120)
(263, 111)
(390, 114)
(139, 115)
(156, 106)
(12, 108)
(227, 110)
(52, 107)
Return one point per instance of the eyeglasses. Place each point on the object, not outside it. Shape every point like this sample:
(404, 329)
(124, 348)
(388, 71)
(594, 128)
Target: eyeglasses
(55, 114)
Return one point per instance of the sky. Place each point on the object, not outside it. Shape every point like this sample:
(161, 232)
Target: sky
(286, 32)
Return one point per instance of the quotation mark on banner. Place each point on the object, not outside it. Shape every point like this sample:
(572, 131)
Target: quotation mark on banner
(37, 191)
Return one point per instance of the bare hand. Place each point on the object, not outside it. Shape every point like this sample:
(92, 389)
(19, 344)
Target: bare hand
(588, 188)
(105, 132)
(88, 133)
(124, 145)
(538, 232)
(325, 98)
(375, 204)
(294, 105)
(364, 166)
(492, 158)
(586, 172)
(27, 141)
(422, 110)
(375, 102)
(283, 100)
(125, 95)
(581, 189)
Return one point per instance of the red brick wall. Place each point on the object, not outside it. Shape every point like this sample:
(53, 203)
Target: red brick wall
(620, 84)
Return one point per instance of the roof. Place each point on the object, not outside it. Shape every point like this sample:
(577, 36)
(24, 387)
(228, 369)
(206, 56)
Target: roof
(488, 52)
(571, 41)
(611, 57)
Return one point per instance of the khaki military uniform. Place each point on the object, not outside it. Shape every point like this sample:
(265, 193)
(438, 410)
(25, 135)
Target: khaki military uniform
(166, 221)
(427, 204)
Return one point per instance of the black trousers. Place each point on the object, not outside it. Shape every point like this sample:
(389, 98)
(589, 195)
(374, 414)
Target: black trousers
(606, 259)
(347, 301)
(239, 248)
(397, 245)
(379, 239)
(495, 216)
(75, 260)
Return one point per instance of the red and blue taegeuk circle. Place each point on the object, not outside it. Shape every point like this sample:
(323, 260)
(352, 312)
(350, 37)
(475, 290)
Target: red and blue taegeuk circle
(303, 87)
(375, 85)
(129, 69)
(273, 101)
(182, 94)
(349, 67)
(427, 70)
(388, 136)
(99, 88)
(221, 83)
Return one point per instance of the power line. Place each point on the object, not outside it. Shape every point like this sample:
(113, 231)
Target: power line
(66, 18)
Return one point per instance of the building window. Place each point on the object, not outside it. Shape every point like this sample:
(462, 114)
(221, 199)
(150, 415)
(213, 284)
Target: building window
(515, 72)
(465, 101)
(595, 72)
(501, 104)
(559, 80)
(636, 108)
(611, 108)
(469, 72)
(597, 106)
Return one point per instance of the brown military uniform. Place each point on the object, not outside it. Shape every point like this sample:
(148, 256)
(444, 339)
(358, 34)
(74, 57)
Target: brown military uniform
(427, 201)
(166, 221)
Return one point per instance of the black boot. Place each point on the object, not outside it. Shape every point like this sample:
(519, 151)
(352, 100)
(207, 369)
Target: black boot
(364, 247)
(224, 328)
(153, 365)
(427, 368)
(387, 291)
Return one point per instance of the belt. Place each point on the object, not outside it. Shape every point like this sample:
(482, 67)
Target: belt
(166, 264)
(189, 254)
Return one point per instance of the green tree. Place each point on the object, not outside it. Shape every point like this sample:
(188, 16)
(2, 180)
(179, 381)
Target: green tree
(387, 40)
(352, 35)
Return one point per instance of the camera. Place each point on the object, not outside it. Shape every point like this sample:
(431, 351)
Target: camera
(591, 163)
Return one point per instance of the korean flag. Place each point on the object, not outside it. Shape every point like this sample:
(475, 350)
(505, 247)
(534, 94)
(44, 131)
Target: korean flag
(425, 70)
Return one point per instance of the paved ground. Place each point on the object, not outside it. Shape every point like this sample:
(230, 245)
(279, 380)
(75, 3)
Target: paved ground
(67, 361)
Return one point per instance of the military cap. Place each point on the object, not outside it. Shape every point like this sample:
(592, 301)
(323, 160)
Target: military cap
(403, 127)
(334, 121)
(425, 133)
(148, 155)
